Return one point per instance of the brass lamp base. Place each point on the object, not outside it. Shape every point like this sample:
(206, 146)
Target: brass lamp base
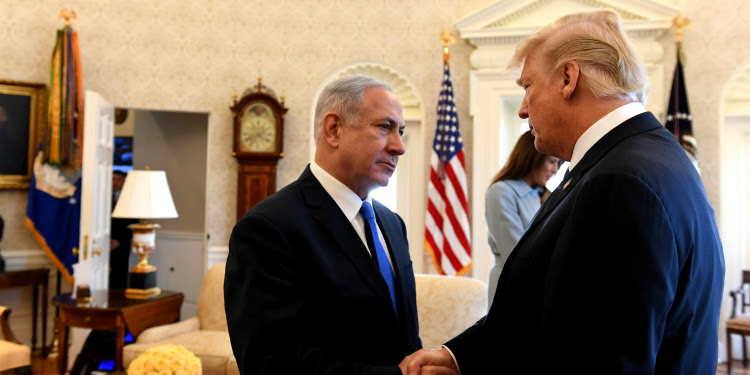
(142, 277)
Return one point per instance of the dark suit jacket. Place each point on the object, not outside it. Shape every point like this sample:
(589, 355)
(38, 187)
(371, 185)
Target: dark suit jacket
(620, 272)
(303, 295)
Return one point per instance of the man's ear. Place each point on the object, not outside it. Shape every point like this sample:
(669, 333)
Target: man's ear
(571, 71)
(332, 124)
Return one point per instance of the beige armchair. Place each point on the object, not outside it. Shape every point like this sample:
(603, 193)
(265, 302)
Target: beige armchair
(13, 355)
(205, 335)
(448, 305)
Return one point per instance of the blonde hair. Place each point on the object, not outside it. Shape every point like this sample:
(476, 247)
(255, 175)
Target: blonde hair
(598, 43)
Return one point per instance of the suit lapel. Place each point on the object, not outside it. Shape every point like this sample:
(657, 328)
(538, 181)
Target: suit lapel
(635, 125)
(325, 210)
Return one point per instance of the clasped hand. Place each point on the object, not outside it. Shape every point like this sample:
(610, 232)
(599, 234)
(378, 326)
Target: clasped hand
(429, 362)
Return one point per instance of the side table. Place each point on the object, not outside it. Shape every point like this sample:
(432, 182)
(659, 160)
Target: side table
(111, 310)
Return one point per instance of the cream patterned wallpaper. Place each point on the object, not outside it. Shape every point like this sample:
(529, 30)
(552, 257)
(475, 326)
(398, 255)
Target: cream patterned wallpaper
(193, 55)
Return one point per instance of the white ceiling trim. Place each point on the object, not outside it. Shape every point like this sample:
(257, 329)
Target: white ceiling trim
(489, 25)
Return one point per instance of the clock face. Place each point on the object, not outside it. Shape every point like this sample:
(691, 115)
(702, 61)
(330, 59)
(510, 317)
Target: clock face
(258, 129)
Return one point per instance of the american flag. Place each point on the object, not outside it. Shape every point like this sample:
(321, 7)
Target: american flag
(447, 234)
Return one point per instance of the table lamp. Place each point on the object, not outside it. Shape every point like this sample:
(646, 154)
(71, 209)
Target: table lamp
(145, 195)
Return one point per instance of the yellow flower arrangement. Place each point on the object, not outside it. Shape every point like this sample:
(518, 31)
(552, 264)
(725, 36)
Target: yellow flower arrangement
(166, 360)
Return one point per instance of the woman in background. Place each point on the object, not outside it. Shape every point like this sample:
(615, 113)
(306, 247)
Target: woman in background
(513, 198)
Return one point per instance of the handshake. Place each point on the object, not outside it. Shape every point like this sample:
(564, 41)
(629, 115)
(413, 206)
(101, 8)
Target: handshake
(429, 362)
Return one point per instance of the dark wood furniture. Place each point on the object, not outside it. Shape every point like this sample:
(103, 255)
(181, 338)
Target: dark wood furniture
(111, 310)
(37, 278)
(738, 324)
(258, 144)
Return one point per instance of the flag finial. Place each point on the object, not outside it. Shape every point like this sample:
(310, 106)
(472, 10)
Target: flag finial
(447, 39)
(680, 24)
(68, 15)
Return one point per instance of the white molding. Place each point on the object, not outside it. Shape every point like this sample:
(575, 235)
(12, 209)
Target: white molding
(642, 19)
(217, 255)
(22, 259)
(489, 88)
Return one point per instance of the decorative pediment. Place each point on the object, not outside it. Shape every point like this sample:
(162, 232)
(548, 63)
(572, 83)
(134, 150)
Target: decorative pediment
(738, 91)
(509, 21)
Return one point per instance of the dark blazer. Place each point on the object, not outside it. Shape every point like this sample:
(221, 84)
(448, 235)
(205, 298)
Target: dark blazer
(303, 296)
(620, 272)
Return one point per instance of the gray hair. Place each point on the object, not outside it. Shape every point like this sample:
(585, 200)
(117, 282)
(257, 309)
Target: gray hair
(343, 96)
(597, 41)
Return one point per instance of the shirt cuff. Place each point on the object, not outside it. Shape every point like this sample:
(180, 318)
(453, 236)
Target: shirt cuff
(454, 358)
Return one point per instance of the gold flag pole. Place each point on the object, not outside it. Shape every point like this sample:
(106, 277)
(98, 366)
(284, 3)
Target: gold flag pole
(680, 24)
(447, 39)
(68, 16)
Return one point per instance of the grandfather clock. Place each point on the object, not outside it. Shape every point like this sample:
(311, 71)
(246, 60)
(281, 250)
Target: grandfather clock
(257, 144)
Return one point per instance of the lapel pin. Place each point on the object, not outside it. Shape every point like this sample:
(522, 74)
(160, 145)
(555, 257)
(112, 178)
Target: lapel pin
(566, 184)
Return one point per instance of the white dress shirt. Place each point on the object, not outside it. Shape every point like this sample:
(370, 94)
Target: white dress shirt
(601, 128)
(349, 203)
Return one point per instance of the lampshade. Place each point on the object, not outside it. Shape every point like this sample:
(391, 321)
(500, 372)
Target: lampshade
(145, 195)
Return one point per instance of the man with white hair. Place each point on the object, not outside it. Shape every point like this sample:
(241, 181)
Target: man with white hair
(318, 277)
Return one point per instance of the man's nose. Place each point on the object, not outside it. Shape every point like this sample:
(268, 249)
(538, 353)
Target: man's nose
(523, 112)
(397, 144)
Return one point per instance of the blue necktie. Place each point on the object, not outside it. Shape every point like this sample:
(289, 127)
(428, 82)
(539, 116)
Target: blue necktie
(377, 247)
(565, 176)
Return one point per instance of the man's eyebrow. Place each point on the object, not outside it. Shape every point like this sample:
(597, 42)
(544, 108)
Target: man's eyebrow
(392, 121)
(519, 81)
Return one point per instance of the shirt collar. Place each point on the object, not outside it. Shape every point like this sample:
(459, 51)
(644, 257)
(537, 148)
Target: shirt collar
(601, 128)
(347, 200)
(521, 188)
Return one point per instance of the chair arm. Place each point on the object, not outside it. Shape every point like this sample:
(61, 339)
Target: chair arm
(5, 325)
(734, 294)
(167, 330)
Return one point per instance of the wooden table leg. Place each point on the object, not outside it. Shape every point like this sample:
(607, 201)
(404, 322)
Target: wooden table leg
(119, 341)
(62, 361)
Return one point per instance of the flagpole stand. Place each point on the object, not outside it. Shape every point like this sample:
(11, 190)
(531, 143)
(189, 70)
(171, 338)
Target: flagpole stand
(54, 346)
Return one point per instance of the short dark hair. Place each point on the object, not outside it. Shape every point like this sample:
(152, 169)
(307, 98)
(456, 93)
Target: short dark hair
(123, 174)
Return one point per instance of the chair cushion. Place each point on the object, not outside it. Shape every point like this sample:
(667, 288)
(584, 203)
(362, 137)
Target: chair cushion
(447, 305)
(739, 322)
(211, 347)
(13, 355)
(211, 300)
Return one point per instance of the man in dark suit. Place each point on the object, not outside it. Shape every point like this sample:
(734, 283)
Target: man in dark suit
(621, 271)
(311, 286)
